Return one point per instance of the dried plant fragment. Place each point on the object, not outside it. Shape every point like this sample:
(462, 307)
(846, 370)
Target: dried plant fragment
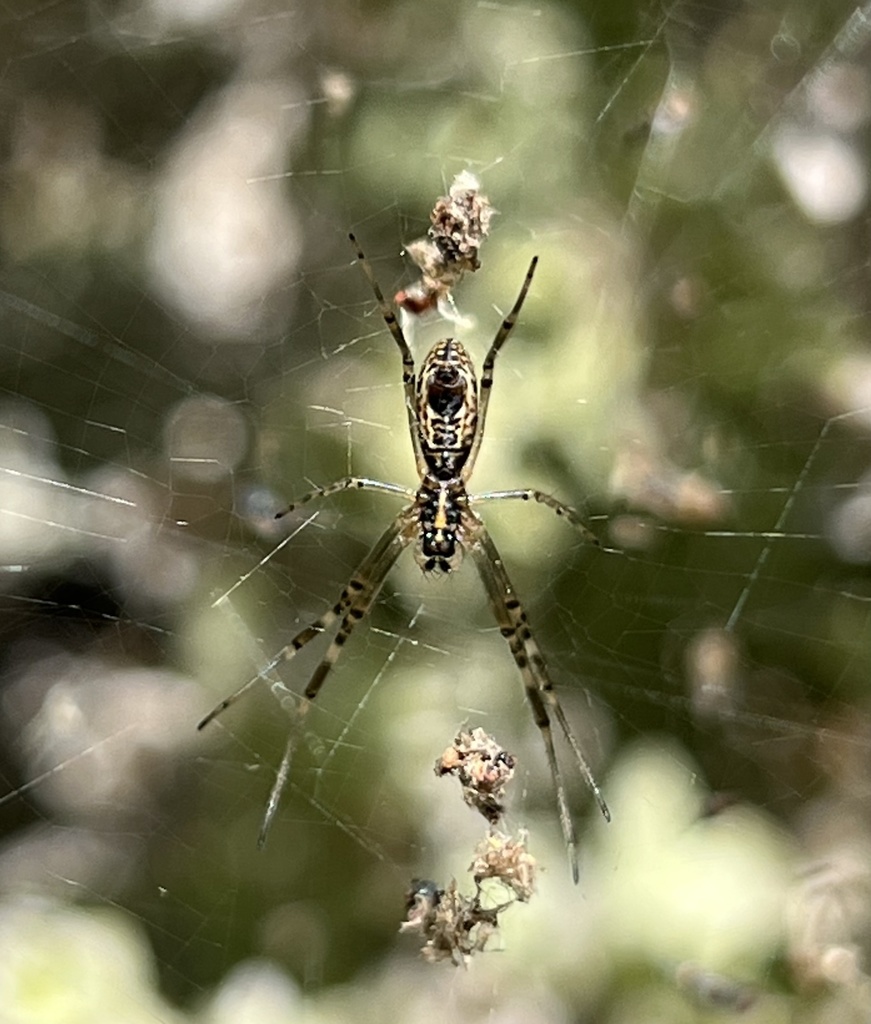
(483, 769)
(455, 926)
(420, 906)
(506, 859)
(460, 221)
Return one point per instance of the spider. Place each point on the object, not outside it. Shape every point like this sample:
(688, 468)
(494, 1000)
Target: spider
(447, 410)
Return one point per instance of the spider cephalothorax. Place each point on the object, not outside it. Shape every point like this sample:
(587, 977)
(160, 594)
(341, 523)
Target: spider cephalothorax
(446, 415)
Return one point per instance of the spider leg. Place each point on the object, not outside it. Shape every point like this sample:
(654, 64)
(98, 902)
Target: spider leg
(486, 384)
(353, 604)
(407, 358)
(543, 701)
(561, 509)
(347, 483)
(329, 617)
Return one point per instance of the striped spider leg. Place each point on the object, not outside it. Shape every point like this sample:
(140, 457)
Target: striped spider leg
(446, 411)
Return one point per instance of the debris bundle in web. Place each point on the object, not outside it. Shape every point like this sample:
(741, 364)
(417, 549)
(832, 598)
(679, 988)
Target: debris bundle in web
(455, 926)
(460, 221)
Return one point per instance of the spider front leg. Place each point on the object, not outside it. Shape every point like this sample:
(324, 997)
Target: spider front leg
(389, 316)
(543, 701)
(352, 606)
(486, 386)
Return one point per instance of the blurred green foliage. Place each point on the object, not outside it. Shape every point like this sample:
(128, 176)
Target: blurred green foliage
(690, 369)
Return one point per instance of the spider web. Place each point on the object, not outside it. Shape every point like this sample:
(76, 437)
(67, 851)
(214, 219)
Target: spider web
(186, 345)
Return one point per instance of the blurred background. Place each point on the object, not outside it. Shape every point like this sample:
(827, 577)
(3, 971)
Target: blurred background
(186, 343)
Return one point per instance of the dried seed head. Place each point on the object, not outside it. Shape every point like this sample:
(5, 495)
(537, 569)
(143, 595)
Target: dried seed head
(507, 860)
(460, 221)
(483, 769)
(455, 926)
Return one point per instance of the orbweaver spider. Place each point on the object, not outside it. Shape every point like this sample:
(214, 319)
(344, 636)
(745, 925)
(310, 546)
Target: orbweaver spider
(446, 416)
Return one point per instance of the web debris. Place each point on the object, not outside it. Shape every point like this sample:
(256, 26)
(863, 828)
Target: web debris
(482, 767)
(460, 221)
(456, 926)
